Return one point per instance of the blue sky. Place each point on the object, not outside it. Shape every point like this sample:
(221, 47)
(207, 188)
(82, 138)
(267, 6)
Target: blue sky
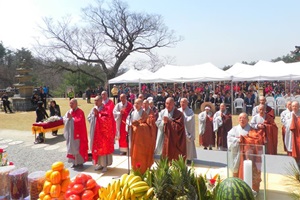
(220, 32)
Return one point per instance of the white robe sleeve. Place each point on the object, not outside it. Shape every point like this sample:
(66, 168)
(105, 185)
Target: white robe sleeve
(118, 119)
(202, 122)
(254, 122)
(217, 121)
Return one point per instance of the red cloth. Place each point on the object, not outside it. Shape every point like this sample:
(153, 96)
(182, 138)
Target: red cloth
(174, 137)
(208, 138)
(109, 107)
(47, 125)
(104, 136)
(123, 133)
(223, 130)
(80, 133)
(295, 128)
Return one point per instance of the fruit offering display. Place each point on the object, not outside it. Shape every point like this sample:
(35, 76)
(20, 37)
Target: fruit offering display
(56, 183)
(127, 187)
(82, 187)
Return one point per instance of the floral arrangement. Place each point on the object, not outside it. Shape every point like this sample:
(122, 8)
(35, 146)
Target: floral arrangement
(3, 158)
(53, 119)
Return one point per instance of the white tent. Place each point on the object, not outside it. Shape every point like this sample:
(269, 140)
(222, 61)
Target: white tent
(131, 76)
(261, 71)
(237, 68)
(194, 73)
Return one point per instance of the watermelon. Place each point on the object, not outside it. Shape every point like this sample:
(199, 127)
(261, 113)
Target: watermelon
(234, 189)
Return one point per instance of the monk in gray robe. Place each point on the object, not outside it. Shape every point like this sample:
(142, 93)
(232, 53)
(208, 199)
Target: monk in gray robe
(189, 124)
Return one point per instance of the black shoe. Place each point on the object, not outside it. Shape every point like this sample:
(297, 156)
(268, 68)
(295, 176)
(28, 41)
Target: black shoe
(79, 166)
(188, 162)
(73, 166)
(38, 142)
(205, 148)
(210, 148)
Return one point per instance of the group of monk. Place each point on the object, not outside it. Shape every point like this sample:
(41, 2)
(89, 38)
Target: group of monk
(139, 130)
(142, 132)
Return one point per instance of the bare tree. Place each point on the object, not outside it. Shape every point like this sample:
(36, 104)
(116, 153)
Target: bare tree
(109, 36)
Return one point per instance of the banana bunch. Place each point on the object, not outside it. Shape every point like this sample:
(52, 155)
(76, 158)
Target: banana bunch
(127, 187)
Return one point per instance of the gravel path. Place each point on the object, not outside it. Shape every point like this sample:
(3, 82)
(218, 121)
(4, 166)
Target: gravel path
(36, 157)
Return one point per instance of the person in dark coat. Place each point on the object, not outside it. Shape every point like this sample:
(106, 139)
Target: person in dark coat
(54, 111)
(6, 102)
(41, 114)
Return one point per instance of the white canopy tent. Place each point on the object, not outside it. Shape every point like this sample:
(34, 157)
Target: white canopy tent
(131, 76)
(194, 73)
(264, 70)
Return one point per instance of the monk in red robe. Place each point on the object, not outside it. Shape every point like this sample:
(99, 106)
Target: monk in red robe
(103, 141)
(142, 152)
(245, 143)
(104, 135)
(121, 112)
(171, 139)
(75, 133)
(295, 128)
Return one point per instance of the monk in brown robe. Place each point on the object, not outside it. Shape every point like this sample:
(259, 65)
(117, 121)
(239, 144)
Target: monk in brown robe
(141, 136)
(171, 139)
(151, 119)
(267, 125)
(245, 143)
(222, 122)
(207, 135)
(295, 128)
(268, 110)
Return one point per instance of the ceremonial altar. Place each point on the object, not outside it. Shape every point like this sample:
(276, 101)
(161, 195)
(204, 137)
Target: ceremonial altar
(47, 126)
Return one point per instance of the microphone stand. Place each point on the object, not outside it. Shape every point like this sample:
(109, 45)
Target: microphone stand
(127, 140)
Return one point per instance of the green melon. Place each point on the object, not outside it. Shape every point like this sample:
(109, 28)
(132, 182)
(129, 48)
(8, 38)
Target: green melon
(234, 189)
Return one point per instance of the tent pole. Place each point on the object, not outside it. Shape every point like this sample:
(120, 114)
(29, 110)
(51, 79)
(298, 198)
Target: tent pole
(231, 96)
(284, 86)
(139, 87)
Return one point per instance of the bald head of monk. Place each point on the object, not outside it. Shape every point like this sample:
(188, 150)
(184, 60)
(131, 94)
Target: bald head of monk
(170, 104)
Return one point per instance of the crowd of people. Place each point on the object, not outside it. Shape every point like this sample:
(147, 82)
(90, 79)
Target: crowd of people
(164, 124)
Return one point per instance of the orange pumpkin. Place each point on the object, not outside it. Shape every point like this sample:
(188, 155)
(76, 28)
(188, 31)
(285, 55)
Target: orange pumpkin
(55, 190)
(57, 166)
(65, 173)
(55, 177)
(65, 184)
(47, 187)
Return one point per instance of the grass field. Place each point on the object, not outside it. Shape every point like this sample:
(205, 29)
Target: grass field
(24, 120)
